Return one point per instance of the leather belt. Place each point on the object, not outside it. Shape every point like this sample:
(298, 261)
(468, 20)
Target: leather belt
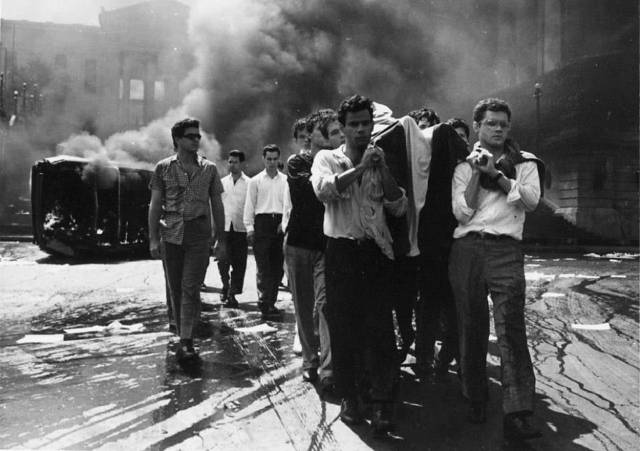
(489, 236)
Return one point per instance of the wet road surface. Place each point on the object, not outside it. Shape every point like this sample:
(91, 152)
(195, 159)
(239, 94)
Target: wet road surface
(112, 389)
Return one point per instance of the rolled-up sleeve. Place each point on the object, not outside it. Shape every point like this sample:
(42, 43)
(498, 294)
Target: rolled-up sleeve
(461, 177)
(323, 178)
(397, 207)
(157, 180)
(525, 189)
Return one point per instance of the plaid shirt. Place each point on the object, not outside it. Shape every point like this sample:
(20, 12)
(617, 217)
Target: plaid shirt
(183, 198)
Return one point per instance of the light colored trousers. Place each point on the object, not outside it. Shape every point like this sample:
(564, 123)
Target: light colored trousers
(305, 271)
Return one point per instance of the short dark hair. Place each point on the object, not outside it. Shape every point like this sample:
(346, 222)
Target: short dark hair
(352, 104)
(177, 131)
(425, 113)
(299, 124)
(238, 154)
(321, 118)
(456, 122)
(270, 148)
(490, 104)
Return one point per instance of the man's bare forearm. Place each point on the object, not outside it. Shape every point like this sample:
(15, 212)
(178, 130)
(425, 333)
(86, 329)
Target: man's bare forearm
(348, 177)
(154, 223)
(217, 209)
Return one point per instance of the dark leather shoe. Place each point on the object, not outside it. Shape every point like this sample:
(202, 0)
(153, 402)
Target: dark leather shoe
(310, 375)
(477, 413)
(440, 371)
(424, 371)
(186, 353)
(518, 427)
(270, 312)
(327, 388)
(224, 297)
(231, 302)
(350, 412)
(381, 421)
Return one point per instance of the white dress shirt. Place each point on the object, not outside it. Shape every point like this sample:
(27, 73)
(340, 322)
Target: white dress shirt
(342, 214)
(264, 196)
(233, 199)
(497, 213)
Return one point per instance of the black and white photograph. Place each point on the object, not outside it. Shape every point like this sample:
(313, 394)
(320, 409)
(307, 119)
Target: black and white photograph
(318, 225)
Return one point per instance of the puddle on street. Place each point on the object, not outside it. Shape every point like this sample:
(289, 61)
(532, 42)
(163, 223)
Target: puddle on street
(123, 383)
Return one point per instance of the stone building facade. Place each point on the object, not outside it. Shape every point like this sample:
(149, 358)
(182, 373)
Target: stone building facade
(116, 76)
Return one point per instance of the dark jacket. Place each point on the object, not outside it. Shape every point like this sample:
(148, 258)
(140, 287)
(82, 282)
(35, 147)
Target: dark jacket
(307, 213)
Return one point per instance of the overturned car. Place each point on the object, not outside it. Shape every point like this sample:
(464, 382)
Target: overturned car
(89, 207)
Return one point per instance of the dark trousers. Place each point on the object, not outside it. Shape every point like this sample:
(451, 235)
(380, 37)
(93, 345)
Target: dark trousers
(404, 286)
(185, 267)
(236, 245)
(360, 318)
(478, 265)
(267, 249)
(436, 308)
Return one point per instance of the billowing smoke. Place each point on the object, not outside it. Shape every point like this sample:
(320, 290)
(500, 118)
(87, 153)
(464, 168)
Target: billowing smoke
(265, 63)
(140, 148)
(260, 64)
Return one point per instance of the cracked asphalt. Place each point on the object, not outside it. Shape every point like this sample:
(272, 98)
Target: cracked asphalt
(116, 390)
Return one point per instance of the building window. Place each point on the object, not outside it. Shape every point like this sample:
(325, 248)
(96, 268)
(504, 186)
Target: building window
(136, 89)
(158, 91)
(91, 75)
(60, 61)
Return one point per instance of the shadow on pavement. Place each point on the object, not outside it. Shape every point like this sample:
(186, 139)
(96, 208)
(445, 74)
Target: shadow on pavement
(431, 416)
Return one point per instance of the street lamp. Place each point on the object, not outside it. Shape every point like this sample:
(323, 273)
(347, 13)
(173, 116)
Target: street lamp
(24, 98)
(15, 102)
(537, 93)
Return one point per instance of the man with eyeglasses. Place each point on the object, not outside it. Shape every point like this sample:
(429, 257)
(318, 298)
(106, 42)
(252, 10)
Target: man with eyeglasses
(491, 193)
(185, 194)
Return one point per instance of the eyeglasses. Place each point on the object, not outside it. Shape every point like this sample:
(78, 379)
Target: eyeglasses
(494, 124)
(197, 136)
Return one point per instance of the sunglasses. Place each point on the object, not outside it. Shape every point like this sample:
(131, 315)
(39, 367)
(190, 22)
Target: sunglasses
(192, 136)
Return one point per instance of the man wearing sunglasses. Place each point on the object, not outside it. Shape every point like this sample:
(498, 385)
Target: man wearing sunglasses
(185, 195)
(491, 193)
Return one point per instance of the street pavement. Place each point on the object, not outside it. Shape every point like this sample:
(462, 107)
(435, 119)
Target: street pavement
(120, 387)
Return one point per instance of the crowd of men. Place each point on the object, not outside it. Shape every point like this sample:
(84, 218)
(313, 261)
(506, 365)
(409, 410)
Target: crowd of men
(365, 232)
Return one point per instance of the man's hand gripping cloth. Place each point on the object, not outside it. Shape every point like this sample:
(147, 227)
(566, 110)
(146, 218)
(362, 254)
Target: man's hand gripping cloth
(372, 210)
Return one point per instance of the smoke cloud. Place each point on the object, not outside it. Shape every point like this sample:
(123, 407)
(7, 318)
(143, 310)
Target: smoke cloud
(264, 64)
(261, 64)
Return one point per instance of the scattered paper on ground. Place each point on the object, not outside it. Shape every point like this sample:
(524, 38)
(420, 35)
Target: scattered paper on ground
(551, 294)
(616, 255)
(85, 330)
(41, 338)
(115, 327)
(538, 276)
(263, 328)
(601, 326)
